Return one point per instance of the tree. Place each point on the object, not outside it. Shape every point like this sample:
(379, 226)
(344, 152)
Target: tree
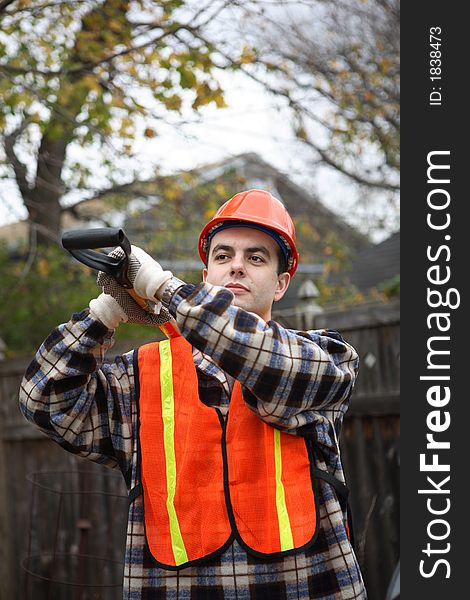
(93, 73)
(336, 64)
(98, 73)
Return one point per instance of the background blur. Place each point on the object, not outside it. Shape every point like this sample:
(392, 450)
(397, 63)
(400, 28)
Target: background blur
(148, 115)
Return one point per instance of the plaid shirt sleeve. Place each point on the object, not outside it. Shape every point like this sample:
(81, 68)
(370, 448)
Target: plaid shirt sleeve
(295, 381)
(81, 402)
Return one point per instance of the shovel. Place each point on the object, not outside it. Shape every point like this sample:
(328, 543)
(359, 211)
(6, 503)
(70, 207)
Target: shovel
(82, 245)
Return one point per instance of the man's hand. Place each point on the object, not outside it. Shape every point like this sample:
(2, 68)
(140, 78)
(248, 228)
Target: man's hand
(116, 305)
(146, 275)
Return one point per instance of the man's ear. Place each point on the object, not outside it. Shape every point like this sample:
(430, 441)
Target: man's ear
(204, 275)
(283, 281)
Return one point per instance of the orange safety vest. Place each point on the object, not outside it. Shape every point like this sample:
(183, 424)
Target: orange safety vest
(207, 480)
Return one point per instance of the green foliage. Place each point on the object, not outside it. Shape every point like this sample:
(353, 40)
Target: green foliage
(39, 292)
(391, 288)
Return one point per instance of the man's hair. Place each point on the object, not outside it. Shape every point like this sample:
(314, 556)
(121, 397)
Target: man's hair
(281, 263)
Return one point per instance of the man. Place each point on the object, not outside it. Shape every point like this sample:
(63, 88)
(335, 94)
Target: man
(229, 443)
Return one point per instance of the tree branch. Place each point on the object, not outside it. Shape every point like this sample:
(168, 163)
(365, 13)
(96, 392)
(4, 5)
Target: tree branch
(4, 4)
(19, 168)
(40, 7)
(24, 71)
(351, 174)
(173, 30)
(124, 188)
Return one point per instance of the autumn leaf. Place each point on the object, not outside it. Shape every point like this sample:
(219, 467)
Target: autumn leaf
(149, 132)
(248, 55)
(173, 102)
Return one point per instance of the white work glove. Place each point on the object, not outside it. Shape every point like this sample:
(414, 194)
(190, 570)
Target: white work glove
(115, 305)
(106, 309)
(146, 275)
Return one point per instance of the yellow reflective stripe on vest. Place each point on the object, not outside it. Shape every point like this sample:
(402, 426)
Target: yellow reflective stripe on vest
(285, 531)
(168, 414)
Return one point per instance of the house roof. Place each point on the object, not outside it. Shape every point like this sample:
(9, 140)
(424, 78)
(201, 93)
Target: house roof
(374, 265)
(299, 202)
(194, 203)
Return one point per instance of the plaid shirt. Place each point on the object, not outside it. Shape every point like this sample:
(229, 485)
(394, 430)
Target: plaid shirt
(299, 382)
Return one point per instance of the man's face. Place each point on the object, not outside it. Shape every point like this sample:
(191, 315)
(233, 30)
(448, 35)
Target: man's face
(245, 261)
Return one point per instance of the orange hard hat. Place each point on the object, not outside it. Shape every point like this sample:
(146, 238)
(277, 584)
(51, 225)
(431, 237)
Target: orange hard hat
(261, 210)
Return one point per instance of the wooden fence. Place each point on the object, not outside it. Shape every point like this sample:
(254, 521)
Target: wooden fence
(69, 516)
(370, 436)
(62, 519)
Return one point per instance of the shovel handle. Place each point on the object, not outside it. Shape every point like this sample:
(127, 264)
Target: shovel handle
(81, 243)
(101, 237)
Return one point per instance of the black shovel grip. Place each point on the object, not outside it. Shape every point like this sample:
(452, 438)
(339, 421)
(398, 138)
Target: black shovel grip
(102, 237)
(79, 243)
